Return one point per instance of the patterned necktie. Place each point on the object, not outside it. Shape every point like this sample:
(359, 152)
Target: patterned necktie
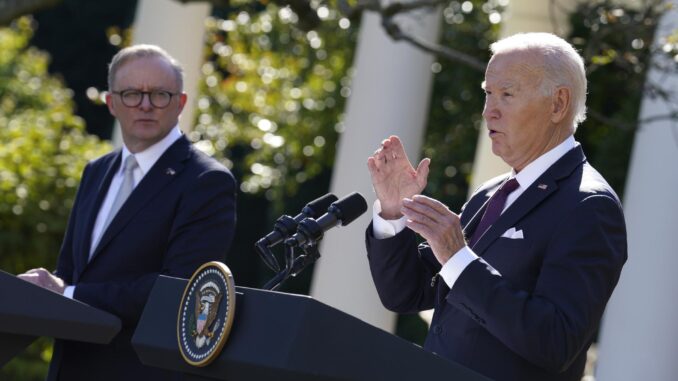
(124, 191)
(494, 208)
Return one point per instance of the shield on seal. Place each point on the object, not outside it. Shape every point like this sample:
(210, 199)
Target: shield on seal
(202, 318)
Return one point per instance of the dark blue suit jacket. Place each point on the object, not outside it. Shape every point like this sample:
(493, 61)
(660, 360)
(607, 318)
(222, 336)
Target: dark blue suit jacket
(181, 215)
(529, 308)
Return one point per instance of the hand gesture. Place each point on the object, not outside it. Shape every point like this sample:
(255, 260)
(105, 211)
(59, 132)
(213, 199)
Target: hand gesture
(394, 178)
(439, 226)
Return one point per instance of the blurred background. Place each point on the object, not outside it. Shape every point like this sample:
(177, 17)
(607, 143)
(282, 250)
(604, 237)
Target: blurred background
(271, 98)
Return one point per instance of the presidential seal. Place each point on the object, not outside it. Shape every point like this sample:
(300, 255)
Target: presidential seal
(206, 313)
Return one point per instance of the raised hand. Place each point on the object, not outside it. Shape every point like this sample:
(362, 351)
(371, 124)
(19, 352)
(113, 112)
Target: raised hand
(394, 178)
(439, 226)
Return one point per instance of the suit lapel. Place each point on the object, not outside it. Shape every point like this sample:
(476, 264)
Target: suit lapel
(81, 257)
(168, 166)
(544, 186)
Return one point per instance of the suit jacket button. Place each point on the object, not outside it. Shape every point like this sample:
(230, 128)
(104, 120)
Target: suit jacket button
(437, 329)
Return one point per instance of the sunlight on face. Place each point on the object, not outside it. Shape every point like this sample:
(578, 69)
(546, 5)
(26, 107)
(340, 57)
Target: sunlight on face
(145, 125)
(516, 110)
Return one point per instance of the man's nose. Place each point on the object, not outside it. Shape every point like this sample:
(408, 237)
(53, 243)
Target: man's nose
(146, 102)
(490, 111)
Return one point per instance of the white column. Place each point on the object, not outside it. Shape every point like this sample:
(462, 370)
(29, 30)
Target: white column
(179, 29)
(639, 336)
(390, 96)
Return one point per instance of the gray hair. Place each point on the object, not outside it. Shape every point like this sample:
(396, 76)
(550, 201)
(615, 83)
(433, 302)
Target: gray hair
(143, 51)
(562, 65)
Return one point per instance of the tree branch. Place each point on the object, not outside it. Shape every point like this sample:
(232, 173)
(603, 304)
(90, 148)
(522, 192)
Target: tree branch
(398, 7)
(393, 30)
(216, 3)
(11, 9)
(593, 114)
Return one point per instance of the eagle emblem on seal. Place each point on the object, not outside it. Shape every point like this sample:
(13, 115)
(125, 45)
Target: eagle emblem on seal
(207, 301)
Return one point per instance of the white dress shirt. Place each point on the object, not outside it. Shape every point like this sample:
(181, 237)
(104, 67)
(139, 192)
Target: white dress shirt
(146, 159)
(453, 268)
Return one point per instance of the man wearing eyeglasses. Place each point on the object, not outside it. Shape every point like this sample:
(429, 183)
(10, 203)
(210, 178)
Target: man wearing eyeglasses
(155, 206)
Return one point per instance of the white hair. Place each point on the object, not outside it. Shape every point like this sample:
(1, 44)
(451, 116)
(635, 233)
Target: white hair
(562, 65)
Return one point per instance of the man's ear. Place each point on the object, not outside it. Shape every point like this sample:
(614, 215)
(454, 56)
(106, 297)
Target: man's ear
(182, 101)
(561, 104)
(109, 103)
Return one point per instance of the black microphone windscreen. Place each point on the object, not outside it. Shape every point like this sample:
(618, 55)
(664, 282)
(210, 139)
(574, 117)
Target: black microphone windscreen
(350, 207)
(318, 207)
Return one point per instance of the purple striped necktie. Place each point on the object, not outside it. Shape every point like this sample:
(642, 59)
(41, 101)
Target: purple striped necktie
(494, 207)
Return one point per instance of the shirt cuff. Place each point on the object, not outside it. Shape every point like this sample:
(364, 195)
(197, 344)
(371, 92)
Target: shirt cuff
(456, 265)
(69, 291)
(382, 228)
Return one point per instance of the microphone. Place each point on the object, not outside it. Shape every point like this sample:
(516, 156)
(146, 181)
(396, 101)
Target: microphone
(285, 226)
(341, 212)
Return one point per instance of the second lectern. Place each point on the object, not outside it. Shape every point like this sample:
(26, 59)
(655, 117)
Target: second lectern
(28, 312)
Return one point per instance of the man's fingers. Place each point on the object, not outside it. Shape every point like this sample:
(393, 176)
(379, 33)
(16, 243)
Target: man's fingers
(419, 228)
(419, 213)
(396, 147)
(27, 276)
(33, 277)
(386, 142)
(422, 172)
(426, 205)
(431, 203)
(372, 166)
(411, 207)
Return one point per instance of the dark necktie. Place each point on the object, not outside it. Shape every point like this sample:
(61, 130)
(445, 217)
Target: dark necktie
(494, 207)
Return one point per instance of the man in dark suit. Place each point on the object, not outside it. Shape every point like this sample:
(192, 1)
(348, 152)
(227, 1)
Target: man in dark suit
(519, 280)
(156, 206)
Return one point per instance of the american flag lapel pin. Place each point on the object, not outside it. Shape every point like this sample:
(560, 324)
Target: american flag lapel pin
(170, 171)
(542, 186)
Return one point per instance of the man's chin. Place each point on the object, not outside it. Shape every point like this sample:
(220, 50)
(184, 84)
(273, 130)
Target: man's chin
(145, 123)
(496, 149)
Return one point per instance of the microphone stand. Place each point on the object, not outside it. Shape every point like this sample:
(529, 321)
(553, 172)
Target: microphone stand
(282, 276)
(311, 254)
(309, 232)
(285, 226)
(293, 266)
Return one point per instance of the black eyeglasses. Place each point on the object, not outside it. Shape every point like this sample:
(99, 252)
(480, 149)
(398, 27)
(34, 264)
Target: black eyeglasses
(133, 98)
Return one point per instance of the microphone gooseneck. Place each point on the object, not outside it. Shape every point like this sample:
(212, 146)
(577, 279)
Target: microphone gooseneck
(310, 231)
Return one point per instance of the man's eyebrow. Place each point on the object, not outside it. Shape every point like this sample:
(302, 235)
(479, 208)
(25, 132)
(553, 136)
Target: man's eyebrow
(508, 86)
(503, 86)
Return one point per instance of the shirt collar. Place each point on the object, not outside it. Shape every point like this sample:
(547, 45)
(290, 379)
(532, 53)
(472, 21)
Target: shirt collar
(532, 171)
(147, 158)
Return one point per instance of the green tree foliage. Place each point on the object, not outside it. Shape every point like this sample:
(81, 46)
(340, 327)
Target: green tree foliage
(616, 43)
(44, 148)
(43, 152)
(275, 94)
(271, 104)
